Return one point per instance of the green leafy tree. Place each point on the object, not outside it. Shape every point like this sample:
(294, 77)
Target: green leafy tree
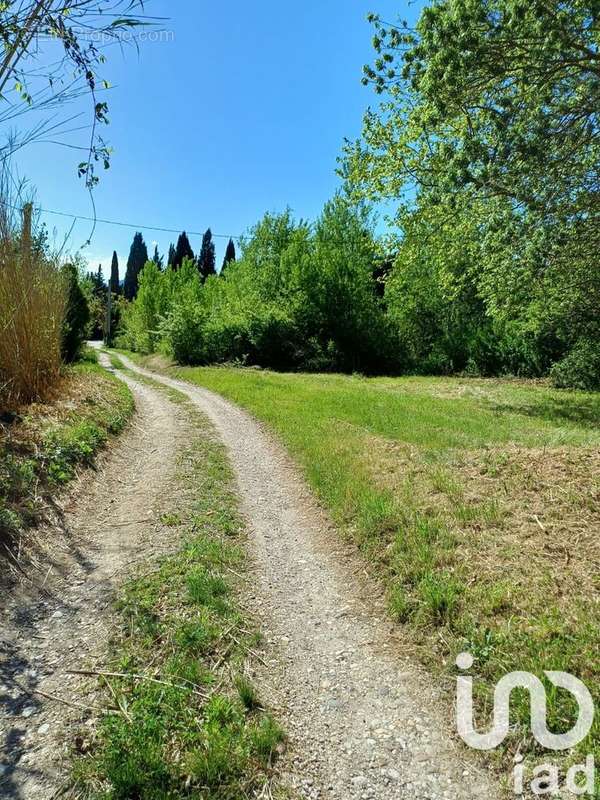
(206, 259)
(343, 292)
(171, 255)
(298, 297)
(491, 106)
(94, 289)
(432, 298)
(138, 256)
(96, 280)
(144, 315)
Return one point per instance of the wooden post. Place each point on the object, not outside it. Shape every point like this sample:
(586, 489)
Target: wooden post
(26, 232)
(107, 337)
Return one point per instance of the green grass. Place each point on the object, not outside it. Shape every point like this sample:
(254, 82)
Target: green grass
(187, 721)
(476, 502)
(44, 449)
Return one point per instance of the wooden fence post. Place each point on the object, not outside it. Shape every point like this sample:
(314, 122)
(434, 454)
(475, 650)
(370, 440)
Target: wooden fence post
(107, 337)
(26, 232)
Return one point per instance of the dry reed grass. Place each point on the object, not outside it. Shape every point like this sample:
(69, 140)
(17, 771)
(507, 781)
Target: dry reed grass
(32, 307)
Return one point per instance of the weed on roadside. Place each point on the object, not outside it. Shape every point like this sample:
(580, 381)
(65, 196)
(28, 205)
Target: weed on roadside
(45, 447)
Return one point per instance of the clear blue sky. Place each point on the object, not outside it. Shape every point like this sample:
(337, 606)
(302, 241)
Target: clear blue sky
(243, 111)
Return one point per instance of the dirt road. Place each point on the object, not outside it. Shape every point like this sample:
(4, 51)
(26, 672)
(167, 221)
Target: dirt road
(363, 721)
(111, 523)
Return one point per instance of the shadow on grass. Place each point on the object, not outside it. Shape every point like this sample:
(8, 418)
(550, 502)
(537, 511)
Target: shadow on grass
(584, 412)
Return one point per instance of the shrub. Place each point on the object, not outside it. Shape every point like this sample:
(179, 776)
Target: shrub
(76, 318)
(580, 369)
(183, 333)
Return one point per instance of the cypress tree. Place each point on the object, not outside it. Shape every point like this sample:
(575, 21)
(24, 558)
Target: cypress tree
(183, 250)
(206, 259)
(229, 254)
(138, 256)
(171, 256)
(97, 281)
(158, 259)
(114, 274)
(77, 316)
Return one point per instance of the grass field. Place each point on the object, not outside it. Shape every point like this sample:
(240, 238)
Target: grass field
(476, 501)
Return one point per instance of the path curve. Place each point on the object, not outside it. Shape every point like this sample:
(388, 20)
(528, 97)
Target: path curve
(363, 720)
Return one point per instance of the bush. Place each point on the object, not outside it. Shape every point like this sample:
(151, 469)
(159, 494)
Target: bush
(580, 369)
(183, 333)
(77, 316)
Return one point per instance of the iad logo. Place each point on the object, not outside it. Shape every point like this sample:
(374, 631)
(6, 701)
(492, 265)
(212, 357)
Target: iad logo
(547, 778)
(537, 699)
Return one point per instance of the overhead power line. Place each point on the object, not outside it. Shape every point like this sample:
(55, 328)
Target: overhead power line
(158, 228)
(135, 227)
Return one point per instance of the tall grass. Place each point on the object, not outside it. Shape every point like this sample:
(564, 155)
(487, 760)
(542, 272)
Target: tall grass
(32, 307)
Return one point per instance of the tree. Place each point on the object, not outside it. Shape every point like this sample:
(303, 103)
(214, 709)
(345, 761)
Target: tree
(157, 258)
(138, 256)
(206, 259)
(171, 256)
(97, 282)
(229, 254)
(143, 316)
(183, 250)
(114, 274)
(342, 291)
(490, 109)
(94, 290)
(77, 316)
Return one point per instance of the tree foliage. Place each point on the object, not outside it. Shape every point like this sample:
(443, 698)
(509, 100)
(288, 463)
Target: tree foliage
(77, 316)
(171, 255)
(299, 297)
(206, 258)
(229, 255)
(490, 116)
(157, 257)
(138, 256)
(182, 251)
(115, 285)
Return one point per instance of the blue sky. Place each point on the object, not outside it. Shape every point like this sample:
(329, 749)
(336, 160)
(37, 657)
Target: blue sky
(242, 110)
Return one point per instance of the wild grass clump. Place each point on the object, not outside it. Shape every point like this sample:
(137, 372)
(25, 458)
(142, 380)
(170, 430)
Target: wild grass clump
(32, 311)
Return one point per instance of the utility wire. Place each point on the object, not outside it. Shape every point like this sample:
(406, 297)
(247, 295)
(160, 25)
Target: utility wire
(123, 224)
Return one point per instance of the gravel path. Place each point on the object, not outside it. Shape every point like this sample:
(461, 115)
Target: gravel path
(111, 522)
(363, 721)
